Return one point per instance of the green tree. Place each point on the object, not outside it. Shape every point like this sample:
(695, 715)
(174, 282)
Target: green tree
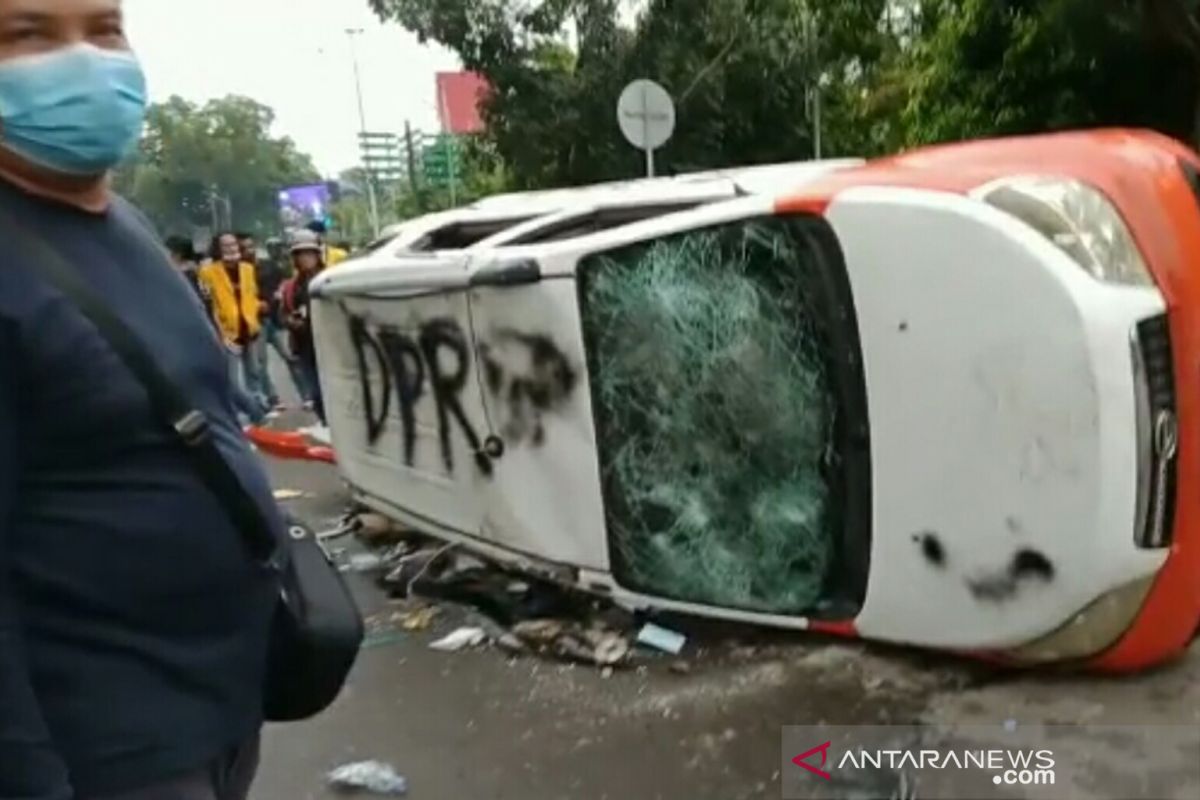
(889, 73)
(196, 164)
(742, 72)
(995, 68)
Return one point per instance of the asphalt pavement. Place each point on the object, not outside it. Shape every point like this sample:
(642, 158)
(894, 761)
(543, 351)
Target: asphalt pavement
(484, 724)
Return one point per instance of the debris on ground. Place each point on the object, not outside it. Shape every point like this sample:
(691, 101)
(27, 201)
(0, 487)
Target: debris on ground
(377, 530)
(290, 494)
(668, 641)
(369, 776)
(520, 613)
(574, 642)
(365, 562)
(418, 619)
(460, 640)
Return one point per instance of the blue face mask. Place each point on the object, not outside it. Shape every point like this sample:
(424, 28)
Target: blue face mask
(76, 111)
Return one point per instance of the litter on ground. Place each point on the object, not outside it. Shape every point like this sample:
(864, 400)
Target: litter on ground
(460, 640)
(369, 776)
(662, 639)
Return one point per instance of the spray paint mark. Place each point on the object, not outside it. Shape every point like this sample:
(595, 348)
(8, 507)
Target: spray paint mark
(931, 548)
(528, 377)
(438, 336)
(408, 373)
(525, 373)
(376, 416)
(1026, 566)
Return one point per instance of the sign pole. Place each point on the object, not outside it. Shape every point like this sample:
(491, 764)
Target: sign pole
(646, 116)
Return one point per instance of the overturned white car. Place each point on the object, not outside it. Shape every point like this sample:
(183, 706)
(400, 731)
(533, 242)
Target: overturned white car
(928, 400)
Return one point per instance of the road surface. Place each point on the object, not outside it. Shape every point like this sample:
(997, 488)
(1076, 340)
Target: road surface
(484, 725)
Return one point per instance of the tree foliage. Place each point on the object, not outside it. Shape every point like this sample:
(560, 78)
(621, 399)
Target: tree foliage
(221, 156)
(987, 68)
(740, 69)
(891, 73)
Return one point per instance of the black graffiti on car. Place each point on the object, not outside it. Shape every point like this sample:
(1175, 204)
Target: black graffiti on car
(526, 375)
(1027, 566)
(529, 377)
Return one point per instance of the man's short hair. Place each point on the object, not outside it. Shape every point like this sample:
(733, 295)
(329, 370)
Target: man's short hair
(181, 247)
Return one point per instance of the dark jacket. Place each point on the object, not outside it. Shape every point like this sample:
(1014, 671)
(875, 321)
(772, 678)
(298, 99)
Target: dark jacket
(133, 621)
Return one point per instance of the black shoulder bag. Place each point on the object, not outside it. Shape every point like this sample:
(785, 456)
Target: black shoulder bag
(317, 630)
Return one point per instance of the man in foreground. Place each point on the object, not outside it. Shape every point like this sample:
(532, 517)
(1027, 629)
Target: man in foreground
(133, 621)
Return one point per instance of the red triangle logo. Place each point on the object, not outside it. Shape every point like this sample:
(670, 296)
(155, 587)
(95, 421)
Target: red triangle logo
(802, 760)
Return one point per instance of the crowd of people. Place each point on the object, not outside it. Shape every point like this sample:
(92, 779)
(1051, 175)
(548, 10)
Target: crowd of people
(258, 302)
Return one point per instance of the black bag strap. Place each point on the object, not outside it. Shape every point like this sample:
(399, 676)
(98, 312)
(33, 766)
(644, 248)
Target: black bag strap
(188, 423)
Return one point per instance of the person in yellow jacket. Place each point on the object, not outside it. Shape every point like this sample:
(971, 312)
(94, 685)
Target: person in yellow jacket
(233, 286)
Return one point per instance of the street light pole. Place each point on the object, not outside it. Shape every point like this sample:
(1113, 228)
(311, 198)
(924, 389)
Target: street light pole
(362, 127)
(812, 45)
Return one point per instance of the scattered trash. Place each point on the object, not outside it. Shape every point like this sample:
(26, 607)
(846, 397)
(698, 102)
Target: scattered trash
(511, 643)
(609, 648)
(369, 776)
(418, 619)
(410, 567)
(570, 640)
(376, 530)
(459, 640)
(662, 639)
(289, 494)
(681, 668)
(365, 562)
(518, 587)
(343, 528)
(467, 581)
(606, 673)
(538, 631)
(318, 433)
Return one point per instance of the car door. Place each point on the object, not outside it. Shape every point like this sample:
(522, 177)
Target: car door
(401, 390)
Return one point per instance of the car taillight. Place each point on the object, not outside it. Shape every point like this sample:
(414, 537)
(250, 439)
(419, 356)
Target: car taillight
(1157, 433)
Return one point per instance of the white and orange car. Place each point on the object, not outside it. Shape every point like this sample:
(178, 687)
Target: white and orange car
(949, 399)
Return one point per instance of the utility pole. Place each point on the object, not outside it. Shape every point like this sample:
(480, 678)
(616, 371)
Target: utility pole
(220, 221)
(811, 45)
(362, 127)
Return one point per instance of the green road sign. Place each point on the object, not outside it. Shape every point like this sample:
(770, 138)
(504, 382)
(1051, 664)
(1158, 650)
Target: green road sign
(440, 159)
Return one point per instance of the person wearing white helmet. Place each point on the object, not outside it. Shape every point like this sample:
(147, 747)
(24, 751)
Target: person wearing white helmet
(308, 259)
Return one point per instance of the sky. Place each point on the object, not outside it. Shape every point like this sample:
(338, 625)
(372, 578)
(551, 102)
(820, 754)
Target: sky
(294, 56)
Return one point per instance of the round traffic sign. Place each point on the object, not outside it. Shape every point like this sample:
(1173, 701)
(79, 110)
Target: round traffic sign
(646, 114)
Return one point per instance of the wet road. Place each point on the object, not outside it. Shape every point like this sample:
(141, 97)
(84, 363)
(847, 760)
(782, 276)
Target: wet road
(485, 725)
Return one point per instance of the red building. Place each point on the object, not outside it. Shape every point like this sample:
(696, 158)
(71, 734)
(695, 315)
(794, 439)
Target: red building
(460, 98)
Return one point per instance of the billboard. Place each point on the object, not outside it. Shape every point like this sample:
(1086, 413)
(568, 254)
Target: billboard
(300, 205)
(460, 95)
